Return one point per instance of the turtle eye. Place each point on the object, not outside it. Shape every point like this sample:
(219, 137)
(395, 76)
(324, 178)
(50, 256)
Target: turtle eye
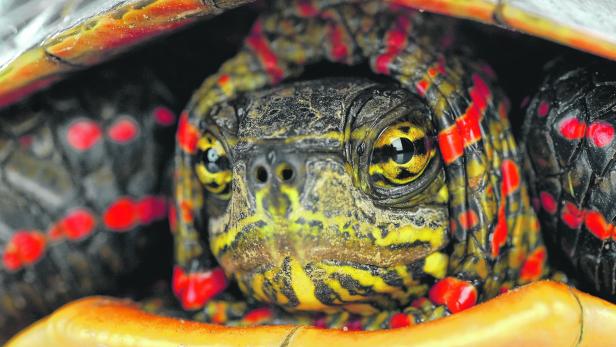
(400, 154)
(213, 166)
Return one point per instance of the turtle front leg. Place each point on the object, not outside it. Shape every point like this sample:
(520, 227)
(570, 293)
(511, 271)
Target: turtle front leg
(540, 314)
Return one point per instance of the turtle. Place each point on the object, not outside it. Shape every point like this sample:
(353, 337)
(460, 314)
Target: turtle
(398, 199)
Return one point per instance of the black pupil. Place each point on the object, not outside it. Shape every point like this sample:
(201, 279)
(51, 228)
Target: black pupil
(213, 161)
(402, 150)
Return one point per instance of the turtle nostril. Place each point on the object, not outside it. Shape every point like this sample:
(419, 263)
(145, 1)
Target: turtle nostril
(286, 173)
(261, 174)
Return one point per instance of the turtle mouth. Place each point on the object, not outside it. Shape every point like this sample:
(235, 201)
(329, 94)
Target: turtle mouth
(253, 254)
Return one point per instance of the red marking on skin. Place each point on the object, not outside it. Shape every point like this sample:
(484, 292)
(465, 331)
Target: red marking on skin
(468, 219)
(510, 183)
(55, 232)
(76, 225)
(499, 236)
(422, 87)
(339, 50)
(419, 302)
(456, 294)
(469, 126)
(26, 141)
(400, 320)
(543, 109)
(469, 122)
(595, 223)
(548, 202)
(451, 144)
(164, 116)
(30, 246)
(187, 134)
(150, 209)
(441, 65)
(186, 209)
(123, 130)
(173, 219)
(600, 133)
(10, 259)
(220, 315)
(194, 290)
(306, 8)
(224, 79)
(23, 249)
(510, 176)
(532, 268)
(452, 227)
(396, 40)
(258, 43)
(433, 71)
(122, 215)
(480, 93)
(572, 216)
(424, 84)
(572, 128)
(83, 134)
(258, 315)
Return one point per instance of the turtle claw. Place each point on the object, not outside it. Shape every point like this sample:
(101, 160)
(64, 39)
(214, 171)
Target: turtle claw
(540, 314)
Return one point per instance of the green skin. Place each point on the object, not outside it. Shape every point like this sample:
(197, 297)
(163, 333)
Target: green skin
(355, 227)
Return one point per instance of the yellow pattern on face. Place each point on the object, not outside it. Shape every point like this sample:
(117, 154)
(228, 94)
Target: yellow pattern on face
(436, 264)
(303, 227)
(293, 252)
(401, 153)
(213, 169)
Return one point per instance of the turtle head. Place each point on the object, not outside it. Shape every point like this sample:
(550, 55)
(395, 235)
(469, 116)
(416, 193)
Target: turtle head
(325, 194)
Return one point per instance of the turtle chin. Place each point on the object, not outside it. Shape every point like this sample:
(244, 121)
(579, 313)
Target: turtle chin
(326, 285)
(325, 280)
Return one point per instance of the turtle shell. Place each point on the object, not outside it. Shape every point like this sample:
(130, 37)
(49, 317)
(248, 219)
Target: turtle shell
(586, 25)
(47, 40)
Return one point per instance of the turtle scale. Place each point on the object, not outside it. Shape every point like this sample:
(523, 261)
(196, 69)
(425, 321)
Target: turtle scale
(82, 182)
(569, 145)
